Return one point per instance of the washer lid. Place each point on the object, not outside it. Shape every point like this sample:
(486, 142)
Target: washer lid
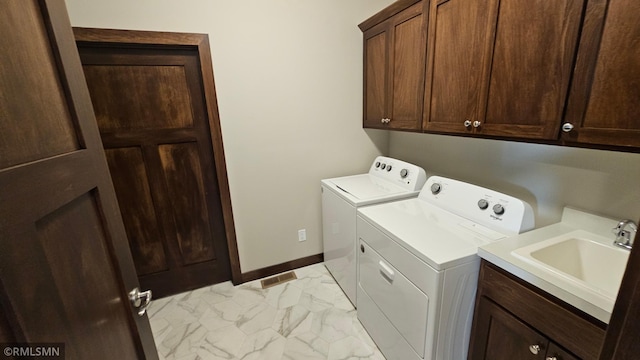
(365, 187)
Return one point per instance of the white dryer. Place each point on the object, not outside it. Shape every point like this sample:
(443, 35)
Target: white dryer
(388, 179)
(418, 265)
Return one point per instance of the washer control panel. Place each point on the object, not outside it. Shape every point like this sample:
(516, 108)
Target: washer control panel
(411, 177)
(490, 208)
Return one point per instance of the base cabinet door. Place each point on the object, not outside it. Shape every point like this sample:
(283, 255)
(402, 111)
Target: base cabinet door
(502, 336)
(514, 320)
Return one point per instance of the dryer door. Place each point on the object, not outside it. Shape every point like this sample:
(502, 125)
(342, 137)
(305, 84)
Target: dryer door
(399, 299)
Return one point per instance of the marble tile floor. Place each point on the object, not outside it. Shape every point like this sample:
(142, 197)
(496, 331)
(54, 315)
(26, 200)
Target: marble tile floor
(304, 319)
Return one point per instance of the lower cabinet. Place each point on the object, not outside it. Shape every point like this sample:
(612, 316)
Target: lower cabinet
(506, 337)
(514, 320)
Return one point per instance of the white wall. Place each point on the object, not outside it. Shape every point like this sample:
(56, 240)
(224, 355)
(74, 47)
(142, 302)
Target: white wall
(548, 177)
(289, 84)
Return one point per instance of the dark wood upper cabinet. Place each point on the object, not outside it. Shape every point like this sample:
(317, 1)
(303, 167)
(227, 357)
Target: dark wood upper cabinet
(502, 67)
(604, 103)
(394, 66)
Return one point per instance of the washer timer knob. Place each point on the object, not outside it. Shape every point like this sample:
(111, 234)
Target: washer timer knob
(404, 173)
(483, 204)
(498, 209)
(377, 164)
(389, 168)
(435, 188)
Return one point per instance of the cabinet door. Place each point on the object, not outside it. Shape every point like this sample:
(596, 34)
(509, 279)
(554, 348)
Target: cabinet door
(531, 68)
(394, 66)
(604, 105)
(407, 68)
(500, 336)
(375, 76)
(460, 43)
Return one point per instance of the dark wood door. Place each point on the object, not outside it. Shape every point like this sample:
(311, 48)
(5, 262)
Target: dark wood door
(151, 111)
(533, 60)
(460, 43)
(604, 105)
(501, 68)
(500, 336)
(375, 76)
(394, 68)
(65, 264)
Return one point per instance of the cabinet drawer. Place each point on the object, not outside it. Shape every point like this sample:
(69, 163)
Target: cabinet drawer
(565, 325)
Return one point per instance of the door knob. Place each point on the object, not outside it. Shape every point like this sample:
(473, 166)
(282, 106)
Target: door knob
(140, 300)
(566, 127)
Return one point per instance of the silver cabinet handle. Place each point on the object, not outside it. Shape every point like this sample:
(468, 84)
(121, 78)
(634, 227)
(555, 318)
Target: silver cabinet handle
(467, 123)
(551, 358)
(388, 120)
(566, 127)
(476, 124)
(535, 349)
(140, 300)
(383, 120)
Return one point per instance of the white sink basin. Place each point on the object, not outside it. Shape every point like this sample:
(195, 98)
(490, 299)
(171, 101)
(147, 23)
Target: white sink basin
(586, 259)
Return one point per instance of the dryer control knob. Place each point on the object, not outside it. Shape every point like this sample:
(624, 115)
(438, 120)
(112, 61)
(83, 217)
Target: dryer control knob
(389, 167)
(383, 166)
(498, 209)
(404, 173)
(483, 204)
(435, 188)
(377, 164)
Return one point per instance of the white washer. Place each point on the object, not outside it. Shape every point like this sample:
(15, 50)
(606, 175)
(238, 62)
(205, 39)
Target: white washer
(418, 265)
(388, 179)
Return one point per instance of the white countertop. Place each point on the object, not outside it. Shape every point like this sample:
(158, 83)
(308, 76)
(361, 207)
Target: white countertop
(590, 301)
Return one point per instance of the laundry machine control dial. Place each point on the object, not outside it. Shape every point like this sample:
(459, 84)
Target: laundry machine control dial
(498, 209)
(483, 204)
(404, 173)
(435, 188)
(389, 168)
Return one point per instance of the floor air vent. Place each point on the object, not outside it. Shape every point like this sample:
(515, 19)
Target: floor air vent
(282, 278)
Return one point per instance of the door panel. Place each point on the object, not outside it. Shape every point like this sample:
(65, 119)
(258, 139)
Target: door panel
(151, 115)
(141, 93)
(532, 64)
(140, 218)
(408, 66)
(604, 105)
(460, 46)
(35, 80)
(65, 266)
(375, 86)
(507, 337)
(186, 192)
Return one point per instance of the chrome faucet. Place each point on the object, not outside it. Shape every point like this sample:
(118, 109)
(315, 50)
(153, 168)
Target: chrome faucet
(624, 238)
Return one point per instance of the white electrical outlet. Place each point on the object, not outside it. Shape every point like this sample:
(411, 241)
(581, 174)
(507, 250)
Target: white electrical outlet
(302, 235)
